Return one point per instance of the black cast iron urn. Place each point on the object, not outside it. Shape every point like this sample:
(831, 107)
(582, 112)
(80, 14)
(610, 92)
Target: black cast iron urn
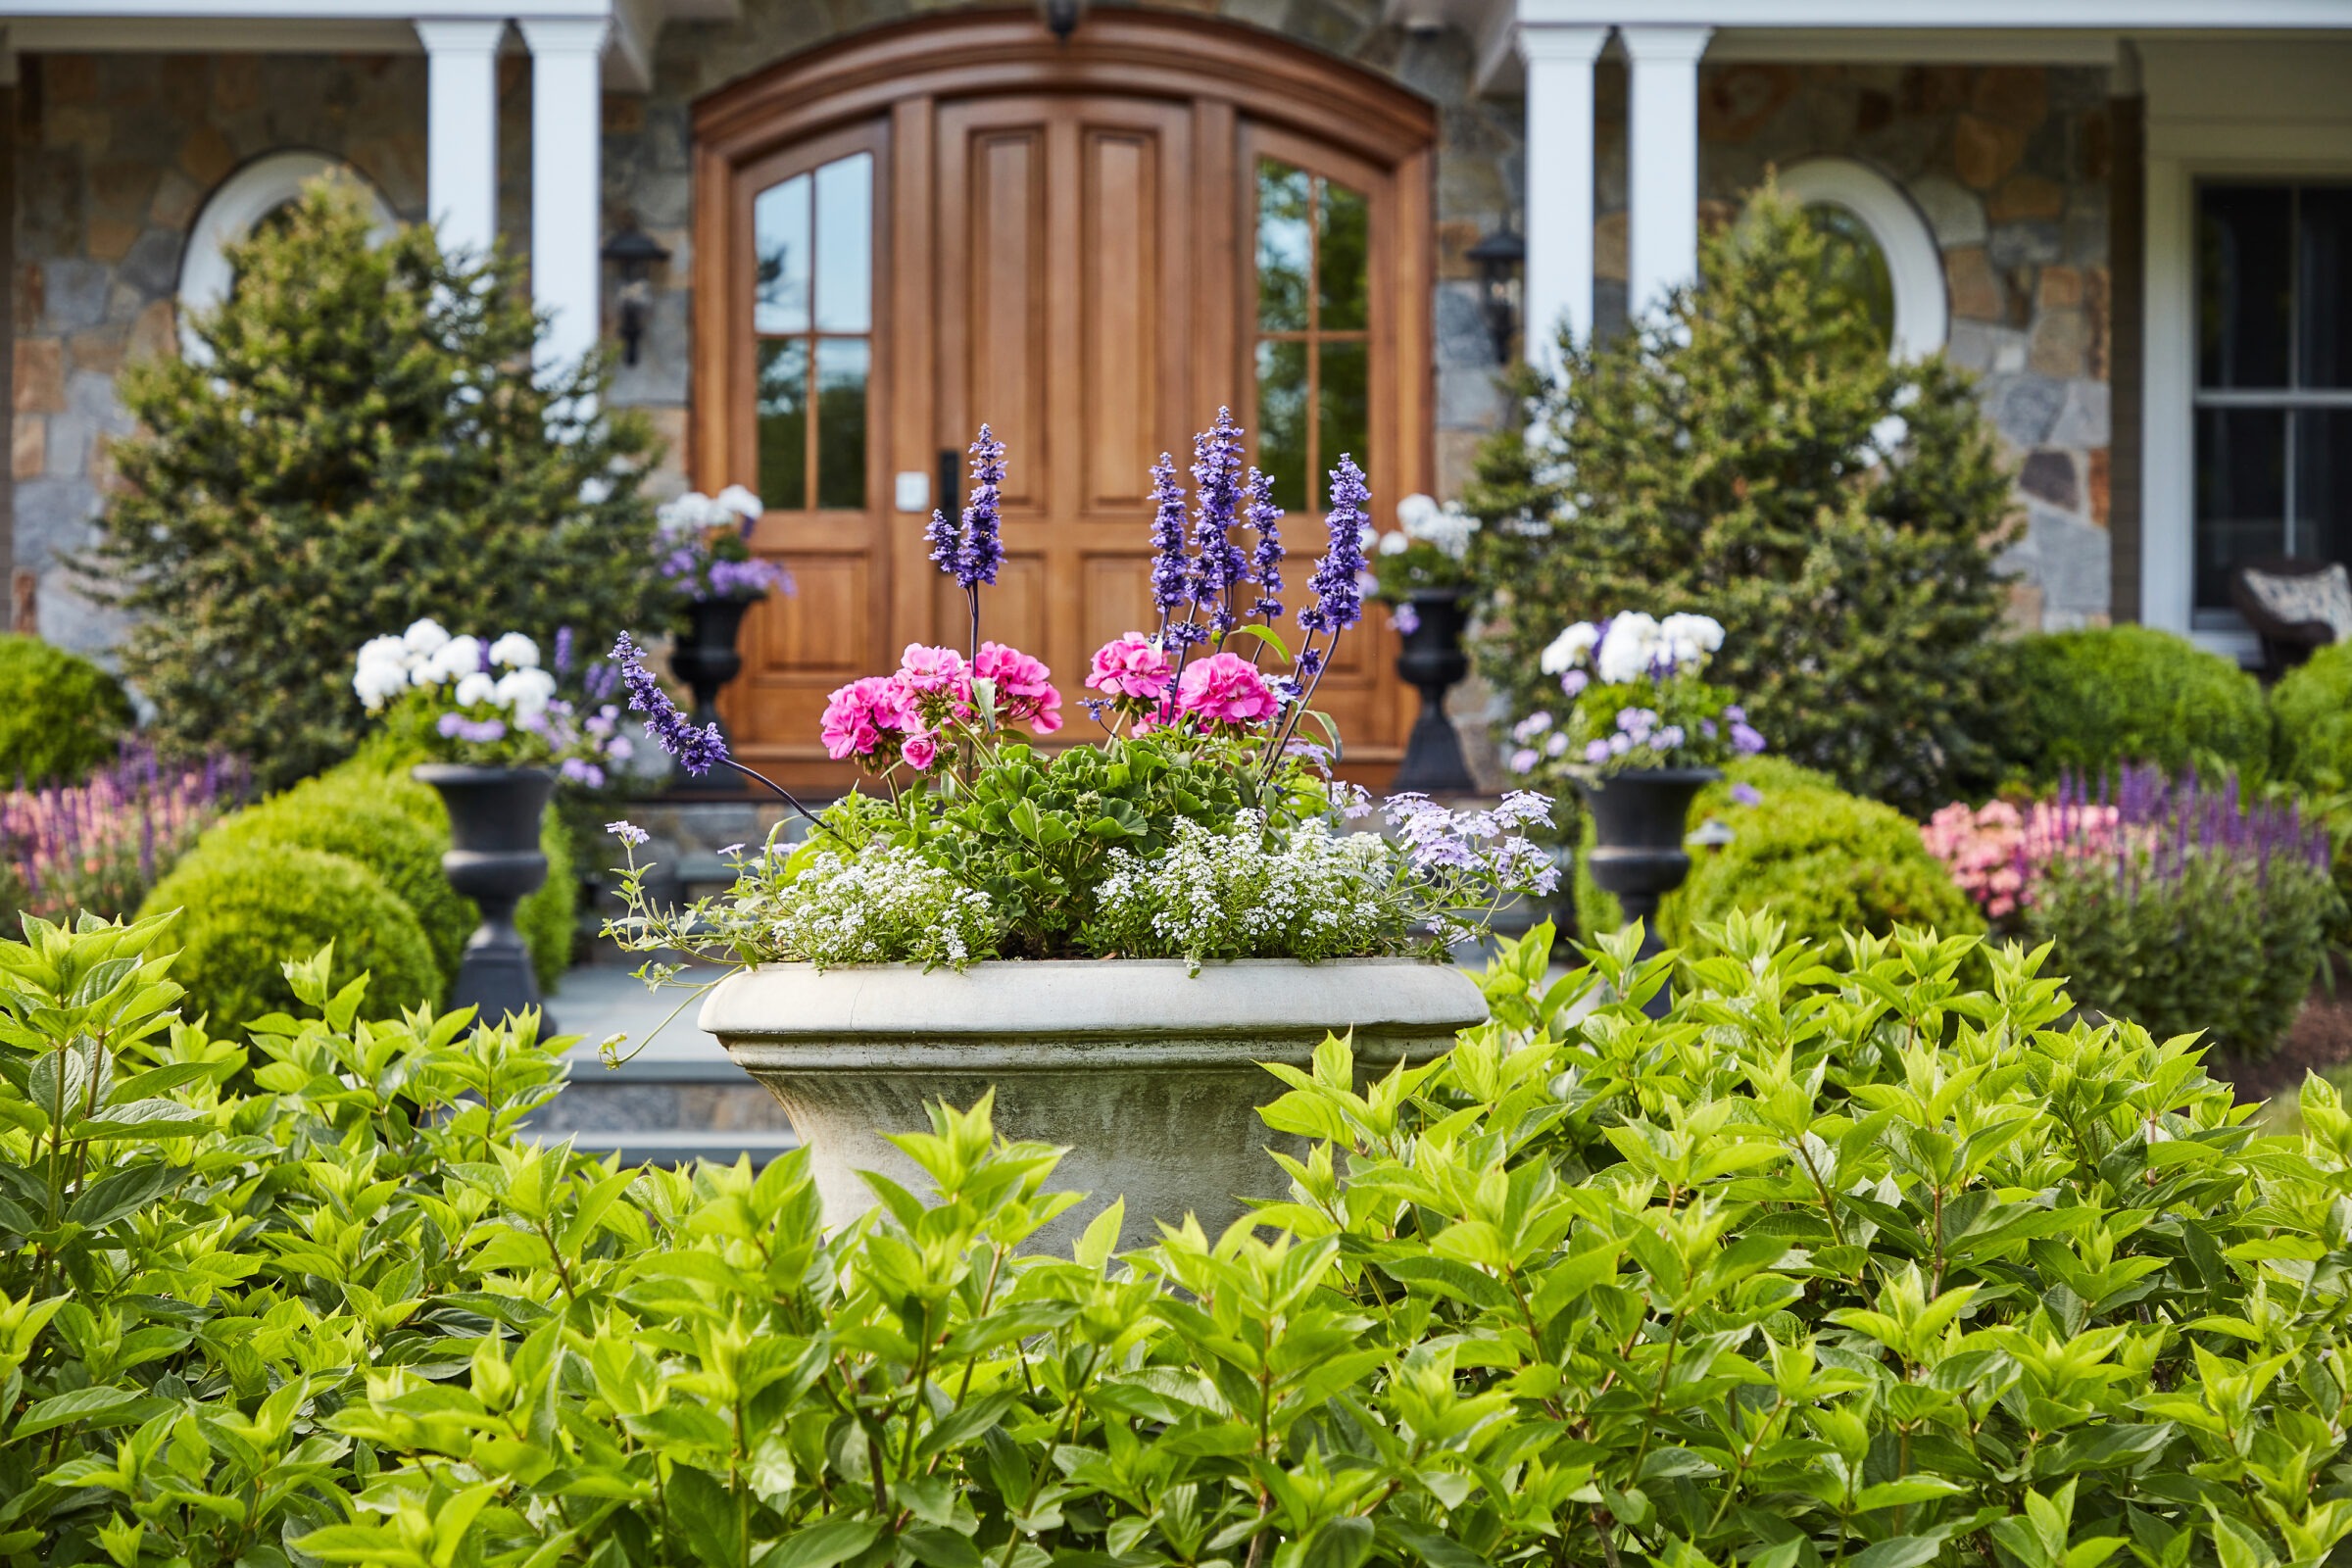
(494, 858)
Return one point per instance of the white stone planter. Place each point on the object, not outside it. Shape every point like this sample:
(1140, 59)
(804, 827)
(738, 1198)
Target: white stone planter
(1147, 1075)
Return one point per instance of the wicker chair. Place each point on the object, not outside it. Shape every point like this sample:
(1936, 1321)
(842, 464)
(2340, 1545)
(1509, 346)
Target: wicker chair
(2265, 589)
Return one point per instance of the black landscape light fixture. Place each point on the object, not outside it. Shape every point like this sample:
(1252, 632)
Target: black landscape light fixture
(636, 254)
(1502, 258)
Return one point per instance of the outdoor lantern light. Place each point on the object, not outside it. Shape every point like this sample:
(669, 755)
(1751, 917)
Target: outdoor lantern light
(636, 253)
(1501, 256)
(1062, 18)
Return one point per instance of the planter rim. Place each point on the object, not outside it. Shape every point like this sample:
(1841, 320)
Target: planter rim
(472, 772)
(1587, 779)
(1090, 1004)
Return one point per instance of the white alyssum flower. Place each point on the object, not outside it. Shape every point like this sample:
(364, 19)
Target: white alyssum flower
(1570, 647)
(1314, 895)
(884, 905)
(515, 652)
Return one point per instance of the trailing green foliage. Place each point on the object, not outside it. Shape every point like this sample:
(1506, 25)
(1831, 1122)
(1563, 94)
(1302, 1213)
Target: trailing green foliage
(60, 715)
(1863, 1267)
(1751, 453)
(245, 906)
(2086, 702)
(357, 446)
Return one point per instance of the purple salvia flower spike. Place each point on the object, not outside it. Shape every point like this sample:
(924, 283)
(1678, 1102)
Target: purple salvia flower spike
(1171, 566)
(983, 551)
(945, 542)
(697, 750)
(1218, 564)
(1337, 581)
(1266, 554)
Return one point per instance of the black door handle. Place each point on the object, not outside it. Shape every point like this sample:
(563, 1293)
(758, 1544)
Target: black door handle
(950, 478)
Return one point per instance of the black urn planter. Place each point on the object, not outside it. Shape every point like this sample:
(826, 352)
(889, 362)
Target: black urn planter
(1433, 663)
(1641, 818)
(706, 658)
(494, 858)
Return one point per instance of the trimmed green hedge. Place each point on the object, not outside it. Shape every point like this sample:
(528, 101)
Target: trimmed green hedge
(2312, 711)
(2086, 701)
(60, 715)
(246, 904)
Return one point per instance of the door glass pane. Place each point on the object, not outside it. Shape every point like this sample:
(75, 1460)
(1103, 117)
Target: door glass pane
(2241, 494)
(1854, 267)
(781, 248)
(841, 375)
(2244, 265)
(1284, 245)
(784, 425)
(1282, 420)
(1344, 406)
(845, 244)
(2324, 484)
(1344, 259)
(2326, 287)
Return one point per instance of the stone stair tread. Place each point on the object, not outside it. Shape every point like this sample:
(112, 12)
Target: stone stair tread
(679, 1146)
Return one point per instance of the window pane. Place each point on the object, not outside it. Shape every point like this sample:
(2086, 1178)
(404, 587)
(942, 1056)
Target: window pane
(2325, 327)
(1282, 420)
(2324, 484)
(841, 372)
(1345, 408)
(2241, 494)
(845, 244)
(1283, 249)
(780, 248)
(1854, 268)
(1343, 259)
(784, 425)
(2242, 285)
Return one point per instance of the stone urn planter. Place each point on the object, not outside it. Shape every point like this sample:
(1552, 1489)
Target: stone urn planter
(494, 858)
(706, 658)
(1147, 1075)
(1432, 662)
(1640, 819)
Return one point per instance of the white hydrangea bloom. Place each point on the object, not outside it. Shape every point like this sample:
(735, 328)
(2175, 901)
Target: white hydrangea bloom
(1633, 644)
(382, 671)
(1690, 638)
(1568, 650)
(526, 691)
(738, 500)
(423, 638)
(687, 514)
(454, 660)
(477, 687)
(515, 652)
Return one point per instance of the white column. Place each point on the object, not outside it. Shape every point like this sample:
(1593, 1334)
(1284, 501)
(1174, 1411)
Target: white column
(460, 120)
(1662, 161)
(1558, 178)
(566, 180)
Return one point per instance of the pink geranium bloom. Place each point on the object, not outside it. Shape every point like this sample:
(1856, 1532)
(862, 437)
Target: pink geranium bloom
(919, 751)
(1133, 666)
(929, 671)
(1226, 689)
(1025, 691)
(859, 715)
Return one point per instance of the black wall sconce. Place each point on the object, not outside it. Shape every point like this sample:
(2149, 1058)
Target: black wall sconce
(1502, 258)
(636, 254)
(1062, 18)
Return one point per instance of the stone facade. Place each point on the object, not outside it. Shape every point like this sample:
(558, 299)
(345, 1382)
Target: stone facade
(116, 153)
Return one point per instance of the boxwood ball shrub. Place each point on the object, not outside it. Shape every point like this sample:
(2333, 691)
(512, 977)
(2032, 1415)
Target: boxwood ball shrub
(243, 906)
(60, 715)
(2086, 702)
(1870, 1268)
(2312, 710)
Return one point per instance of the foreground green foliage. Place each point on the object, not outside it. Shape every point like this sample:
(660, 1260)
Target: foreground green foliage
(1861, 1267)
(60, 715)
(1751, 453)
(2086, 702)
(356, 448)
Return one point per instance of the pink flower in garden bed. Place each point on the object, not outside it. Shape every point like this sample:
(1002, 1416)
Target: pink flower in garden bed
(1132, 666)
(1025, 693)
(1226, 689)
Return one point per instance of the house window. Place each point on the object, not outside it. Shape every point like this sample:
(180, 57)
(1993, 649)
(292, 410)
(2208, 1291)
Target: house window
(1882, 257)
(813, 312)
(2273, 398)
(1313, 334)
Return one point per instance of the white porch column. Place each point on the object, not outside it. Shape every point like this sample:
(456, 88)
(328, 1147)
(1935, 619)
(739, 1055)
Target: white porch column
(566, 180)
(461, 158)
(1559, 183)
(1662, 161)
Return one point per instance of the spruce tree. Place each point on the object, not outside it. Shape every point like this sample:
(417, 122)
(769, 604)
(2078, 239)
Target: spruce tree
(361, 442)
(1750, 452)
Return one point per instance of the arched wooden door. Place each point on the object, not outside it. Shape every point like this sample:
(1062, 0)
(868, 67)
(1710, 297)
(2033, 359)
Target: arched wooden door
(1091, 246)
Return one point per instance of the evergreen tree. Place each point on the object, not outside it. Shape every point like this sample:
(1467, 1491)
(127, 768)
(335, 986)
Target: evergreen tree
(1750, 452)
(359, 443)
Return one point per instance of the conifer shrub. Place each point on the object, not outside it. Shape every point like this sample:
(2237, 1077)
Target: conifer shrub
(359, 441)
(2084, 702)
(242, 907)
(61, 716)
(1750, 452)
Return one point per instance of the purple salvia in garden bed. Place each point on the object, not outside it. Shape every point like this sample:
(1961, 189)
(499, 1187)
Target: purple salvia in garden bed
(1218, 564)
(1265, 555)
(1338, 582)
(983, 551)
(697, 750)
(101, 844)
(1171, 565)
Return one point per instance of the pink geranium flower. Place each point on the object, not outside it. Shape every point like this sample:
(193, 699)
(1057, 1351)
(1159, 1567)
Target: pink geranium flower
(1133, 666)
(919, 751)
(1226, 689)
(858, 717)
(1025, 693)
(930, 671)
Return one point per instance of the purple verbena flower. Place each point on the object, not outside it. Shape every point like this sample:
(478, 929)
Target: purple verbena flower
(1338, 582)
(697, 750)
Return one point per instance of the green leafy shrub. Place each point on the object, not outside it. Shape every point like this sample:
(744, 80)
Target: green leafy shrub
(61, 716)
(2084, 701)
(1868, 1268)
(1738, 454)
(355, 449)
(342, 815)
(243, 906)
(2310, 707)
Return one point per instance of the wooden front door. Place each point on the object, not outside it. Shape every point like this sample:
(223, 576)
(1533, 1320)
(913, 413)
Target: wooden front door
(1091, 247)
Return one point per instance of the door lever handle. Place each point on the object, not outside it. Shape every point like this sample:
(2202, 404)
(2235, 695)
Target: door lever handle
(950, 478)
